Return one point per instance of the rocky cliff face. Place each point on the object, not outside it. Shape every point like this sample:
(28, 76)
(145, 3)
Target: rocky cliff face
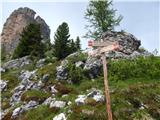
(15, 24)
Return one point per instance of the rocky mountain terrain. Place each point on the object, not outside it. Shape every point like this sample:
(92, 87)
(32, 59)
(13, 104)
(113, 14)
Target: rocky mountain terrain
(15, 24)
(73, 89)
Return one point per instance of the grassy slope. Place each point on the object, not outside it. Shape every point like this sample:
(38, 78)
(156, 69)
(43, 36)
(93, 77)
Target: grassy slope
(128, 93)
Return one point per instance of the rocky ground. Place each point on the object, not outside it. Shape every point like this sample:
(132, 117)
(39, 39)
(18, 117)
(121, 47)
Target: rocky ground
(46, 90)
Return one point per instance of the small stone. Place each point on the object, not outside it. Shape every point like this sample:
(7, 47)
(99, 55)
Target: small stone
(57, 104)
(2, 70)
(40, 63)
(65, 95)
(30, 105)
(69, 103)
(16, 112)
(53, 90)
(3, 85)
(61, 116)
(48, 101)
(45, 78)
(79, 64)
(80, 100)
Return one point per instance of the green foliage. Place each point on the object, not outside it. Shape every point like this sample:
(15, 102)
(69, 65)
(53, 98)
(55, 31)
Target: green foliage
(75, 74)
(61, 45)
(79, 57)
(30, 43)
(72, 47)
(101, 17)
(48, 69)
(77, 43)
(138, 68)
(35, 95)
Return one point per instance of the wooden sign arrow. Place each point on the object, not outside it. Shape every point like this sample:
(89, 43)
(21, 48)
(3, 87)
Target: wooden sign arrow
(102, 48)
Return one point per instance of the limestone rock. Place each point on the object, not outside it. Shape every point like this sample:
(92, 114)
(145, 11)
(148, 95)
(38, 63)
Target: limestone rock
(127, 41)
(3, 85)
(61, 116)
(49, 100)
(62, 71)
(45, 78)
(25, 75)
(15, 24)
(93, 66)
(79, 64)
(80, 100)
(2, 70)
(17, 63)
(40, 63)
(53, 90)
(30, 105)
(16, 112)
(57, 104)
(95, 94)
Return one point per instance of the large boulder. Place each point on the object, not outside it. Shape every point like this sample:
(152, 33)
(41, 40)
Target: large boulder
(17, 63)
(62, 71)
(127, 41)
(15, 24)
(93, 65)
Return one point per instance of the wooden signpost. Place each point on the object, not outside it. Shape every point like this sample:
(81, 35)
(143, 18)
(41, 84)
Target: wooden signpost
(103, 47)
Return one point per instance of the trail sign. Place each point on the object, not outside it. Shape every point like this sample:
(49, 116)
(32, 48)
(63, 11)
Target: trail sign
(102, 48)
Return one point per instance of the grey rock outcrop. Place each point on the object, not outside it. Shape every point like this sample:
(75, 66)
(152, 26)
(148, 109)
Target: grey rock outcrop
(127, 41)
(93, 66)
(62, 71)
(15, 24)
(17, 63)
(24, 85)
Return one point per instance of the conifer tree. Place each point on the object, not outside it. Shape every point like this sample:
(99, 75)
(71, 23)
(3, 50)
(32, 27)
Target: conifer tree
(101, 18)
(61, 44)
(30, 43)
(77, 43)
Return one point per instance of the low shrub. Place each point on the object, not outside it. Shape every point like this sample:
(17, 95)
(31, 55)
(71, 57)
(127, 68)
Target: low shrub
(75, 74)
(142, 67)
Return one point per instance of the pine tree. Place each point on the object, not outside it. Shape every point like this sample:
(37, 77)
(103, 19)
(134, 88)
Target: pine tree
(101, 17)
(72, 46)
(77, 43)
(30, 43)
(61, 45)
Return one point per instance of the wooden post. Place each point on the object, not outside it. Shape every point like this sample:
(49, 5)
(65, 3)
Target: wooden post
(108, 105)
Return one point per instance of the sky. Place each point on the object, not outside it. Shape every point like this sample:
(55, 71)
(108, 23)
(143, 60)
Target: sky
(140, 17)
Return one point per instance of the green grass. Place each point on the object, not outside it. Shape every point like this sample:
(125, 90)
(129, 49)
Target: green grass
(12, 77)
(42, 112)
(35, 95)
(131, 82)
(49, 69)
